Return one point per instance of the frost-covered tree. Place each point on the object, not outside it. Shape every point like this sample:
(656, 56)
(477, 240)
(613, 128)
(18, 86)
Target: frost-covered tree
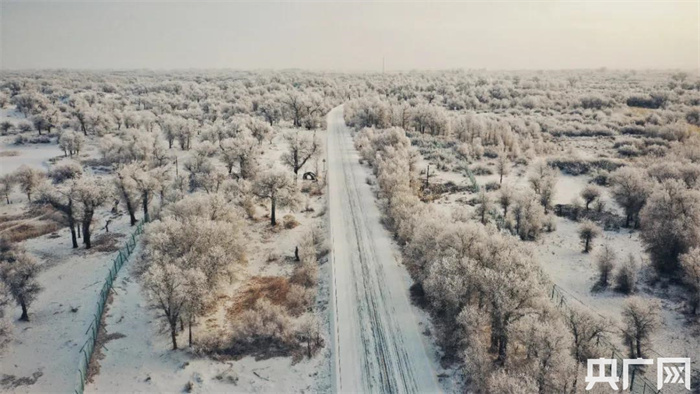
(606, 263)
(7, 183)
(631, 190)
(241, 152)
(259, 129)
(640, 320)
(587, 330)
(90, 193)
(65, 170)
(29, 179)
(547, 343)
(502, 166)
(690, 263)
(626, 276)
(300, 148)
(587, 232)
(484, 206)
(5, 315)
(128, 190)
(276, 187)
(166, 289)
(543, 181)
(148, 183)
(506, 197)
(589, 194)
(18, 271)
(62, 198)
(71, 142)
(527, 215)
(670, 224)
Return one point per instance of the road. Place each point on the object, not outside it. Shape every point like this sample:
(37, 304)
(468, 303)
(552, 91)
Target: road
(377, 340)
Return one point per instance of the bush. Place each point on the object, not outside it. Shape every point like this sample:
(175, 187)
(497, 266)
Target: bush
(289, 221)
(606, 264)
(626, 278)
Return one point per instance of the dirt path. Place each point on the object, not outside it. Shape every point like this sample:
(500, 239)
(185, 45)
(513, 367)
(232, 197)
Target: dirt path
(377, 344)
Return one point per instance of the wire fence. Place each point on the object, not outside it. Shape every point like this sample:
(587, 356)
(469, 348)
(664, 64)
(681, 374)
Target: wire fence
(638, 382)
(87, 350)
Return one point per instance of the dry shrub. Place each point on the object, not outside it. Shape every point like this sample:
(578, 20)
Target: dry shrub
(26, 231)
(272, 288)
(305, 275)
(107, 242)
(289, 221)
(9, 153)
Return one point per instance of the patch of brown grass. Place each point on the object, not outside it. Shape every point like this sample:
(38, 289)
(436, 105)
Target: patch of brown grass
(107, 242)
(25, 231)
(274, 288)
(9, 153)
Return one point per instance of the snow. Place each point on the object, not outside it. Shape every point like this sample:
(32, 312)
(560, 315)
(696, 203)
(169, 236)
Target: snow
(378, 345)
(139, 358)
(35, 155)
(49, 345)
(142, 360)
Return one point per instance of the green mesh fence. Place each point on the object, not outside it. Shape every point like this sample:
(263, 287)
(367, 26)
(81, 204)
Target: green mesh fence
(88, 348)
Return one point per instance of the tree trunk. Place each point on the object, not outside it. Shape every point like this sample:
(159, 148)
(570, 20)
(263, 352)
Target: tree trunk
(73, 235)
(586, 248)
(86, 230)
(25, 314)
(272, 211)
(173, 334)
(190, 331)
(145, 207)
(130, 208)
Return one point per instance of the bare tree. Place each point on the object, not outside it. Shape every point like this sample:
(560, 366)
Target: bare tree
(631, 190)
(7, 183)
(588, 231)
(128, 190)
(671, 224)
(166, 290)
(301, 148)
(543, 181)
(18, 271)
(587, 330)
(484, 206)
(29, 179)
(589, 194)
(276, 187)
(502, 166)
(640, 318)
(606, 264)
(90, 193)
(62, 199)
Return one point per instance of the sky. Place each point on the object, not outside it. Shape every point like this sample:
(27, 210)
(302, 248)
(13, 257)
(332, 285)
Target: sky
(350, 36)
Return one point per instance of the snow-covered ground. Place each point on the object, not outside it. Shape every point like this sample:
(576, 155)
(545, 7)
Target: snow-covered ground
(378, 342)
(43, 354)
(34, 155)
(138, 357)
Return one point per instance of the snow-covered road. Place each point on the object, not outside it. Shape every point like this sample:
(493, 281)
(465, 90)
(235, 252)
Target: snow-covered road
(377, 340)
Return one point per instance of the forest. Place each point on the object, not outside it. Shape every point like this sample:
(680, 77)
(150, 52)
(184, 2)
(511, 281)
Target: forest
(542, 218)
